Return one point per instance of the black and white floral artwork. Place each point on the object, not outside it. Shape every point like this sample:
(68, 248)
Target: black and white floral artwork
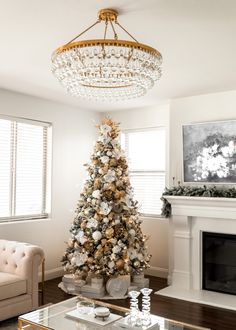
(209, 152)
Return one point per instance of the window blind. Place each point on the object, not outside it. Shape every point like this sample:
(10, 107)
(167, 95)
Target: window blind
(145, 150)
(24, 168)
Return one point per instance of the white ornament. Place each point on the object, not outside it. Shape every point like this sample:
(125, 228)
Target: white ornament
(105, 208)
(110, 176)
(81, 258)
(109, 153)
(132, 232)
(106, 220)
(100, 171)
(73, 261)
(97, 235)
(96, 194)
(104, 159)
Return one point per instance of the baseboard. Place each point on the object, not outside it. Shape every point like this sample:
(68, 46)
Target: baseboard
(52, 273)
(157, 271)
(59, 272)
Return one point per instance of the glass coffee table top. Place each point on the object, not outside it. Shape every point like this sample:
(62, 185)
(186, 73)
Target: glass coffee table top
(56, 317)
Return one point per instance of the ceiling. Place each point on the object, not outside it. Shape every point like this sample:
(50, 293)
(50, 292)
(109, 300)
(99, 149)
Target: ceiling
(196, 39)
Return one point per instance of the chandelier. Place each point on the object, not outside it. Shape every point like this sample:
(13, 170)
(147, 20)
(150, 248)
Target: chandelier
(106, 69)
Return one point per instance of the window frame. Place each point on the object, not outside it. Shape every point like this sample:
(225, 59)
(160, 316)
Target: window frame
(140, 130)
(46, 169)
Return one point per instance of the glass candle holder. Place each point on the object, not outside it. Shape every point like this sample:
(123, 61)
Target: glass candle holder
(146, 305)
(134, 310)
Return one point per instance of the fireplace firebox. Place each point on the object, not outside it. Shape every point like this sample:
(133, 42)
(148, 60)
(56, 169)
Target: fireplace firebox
(219, 262)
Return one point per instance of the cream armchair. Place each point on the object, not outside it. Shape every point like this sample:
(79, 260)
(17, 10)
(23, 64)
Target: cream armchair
(19, 264)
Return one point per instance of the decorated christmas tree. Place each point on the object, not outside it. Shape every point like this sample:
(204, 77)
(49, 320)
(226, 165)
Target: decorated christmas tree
(106, 237)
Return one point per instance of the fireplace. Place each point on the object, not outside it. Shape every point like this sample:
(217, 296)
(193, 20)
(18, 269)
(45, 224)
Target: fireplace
(192, 219)
(219, 262)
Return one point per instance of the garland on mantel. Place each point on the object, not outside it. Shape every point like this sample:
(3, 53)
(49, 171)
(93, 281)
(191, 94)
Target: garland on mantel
(204, 191)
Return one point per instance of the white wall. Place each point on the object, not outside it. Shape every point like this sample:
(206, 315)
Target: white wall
(155, 228)
(196, 109)
(73, 137)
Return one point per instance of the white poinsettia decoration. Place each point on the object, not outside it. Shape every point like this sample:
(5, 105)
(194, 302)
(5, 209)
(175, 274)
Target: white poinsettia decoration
(96, 194)
(132, 253)
(116, 249)
(111, 264)
(80, 237)
(105, 129)
(104, 159)
(92, 223)
(105, 208)
(110, 176)
(80, 259)
(115, 143)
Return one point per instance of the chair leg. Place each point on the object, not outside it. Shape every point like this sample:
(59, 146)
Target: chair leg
(42, 282)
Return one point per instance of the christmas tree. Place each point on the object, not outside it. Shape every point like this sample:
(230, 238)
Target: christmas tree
(106, 237)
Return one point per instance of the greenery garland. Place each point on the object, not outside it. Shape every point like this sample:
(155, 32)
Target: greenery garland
(195, 191)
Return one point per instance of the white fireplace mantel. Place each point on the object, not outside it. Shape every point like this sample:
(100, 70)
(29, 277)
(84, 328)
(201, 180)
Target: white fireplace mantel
(190, 217)
(203, 206)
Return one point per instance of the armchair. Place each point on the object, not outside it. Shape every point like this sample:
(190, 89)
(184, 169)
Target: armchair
(19, 263)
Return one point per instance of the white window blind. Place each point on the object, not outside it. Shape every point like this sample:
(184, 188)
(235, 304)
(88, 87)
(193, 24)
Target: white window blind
(146, 153)
(25, 158)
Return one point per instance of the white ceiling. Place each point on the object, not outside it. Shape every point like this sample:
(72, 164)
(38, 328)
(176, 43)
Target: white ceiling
(196, 39)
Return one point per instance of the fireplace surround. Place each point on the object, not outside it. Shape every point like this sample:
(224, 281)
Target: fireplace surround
(191, 217)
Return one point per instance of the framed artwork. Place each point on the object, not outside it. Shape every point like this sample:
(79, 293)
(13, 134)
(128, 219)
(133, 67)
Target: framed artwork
(209, 152)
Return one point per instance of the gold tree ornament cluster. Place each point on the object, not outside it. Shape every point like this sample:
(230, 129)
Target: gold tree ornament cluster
(106, 237)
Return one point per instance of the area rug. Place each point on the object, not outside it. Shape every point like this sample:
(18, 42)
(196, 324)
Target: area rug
(10, 324)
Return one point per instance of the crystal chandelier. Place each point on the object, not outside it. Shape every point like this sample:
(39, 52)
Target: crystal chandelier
(106, 69)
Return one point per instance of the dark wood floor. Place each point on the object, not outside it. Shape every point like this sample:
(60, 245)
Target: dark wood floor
(202, 315)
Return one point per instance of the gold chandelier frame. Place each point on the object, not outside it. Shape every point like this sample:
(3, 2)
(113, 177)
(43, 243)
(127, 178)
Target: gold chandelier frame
(108, 16)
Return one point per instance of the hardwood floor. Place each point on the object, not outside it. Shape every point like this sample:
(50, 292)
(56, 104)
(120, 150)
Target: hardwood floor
(202, 315)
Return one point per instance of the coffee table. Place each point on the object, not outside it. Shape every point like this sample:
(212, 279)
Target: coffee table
(54, 317)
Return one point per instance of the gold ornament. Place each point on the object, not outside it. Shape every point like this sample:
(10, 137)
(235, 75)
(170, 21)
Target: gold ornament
(98, 254)
(113, 162)
(117, 194)
(83, 225)
(109, 232)
(136, 264)
(97, 183)
(120, 264)
(71, 243)
(90, 260)
(103, 241)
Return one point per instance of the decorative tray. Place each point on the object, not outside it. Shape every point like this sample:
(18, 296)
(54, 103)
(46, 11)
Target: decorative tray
(76, 314)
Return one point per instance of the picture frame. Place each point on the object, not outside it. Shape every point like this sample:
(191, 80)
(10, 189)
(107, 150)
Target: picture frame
(209, 152)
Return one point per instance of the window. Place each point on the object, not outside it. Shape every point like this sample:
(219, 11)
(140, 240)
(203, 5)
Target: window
(146, 153)
(25, 150)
